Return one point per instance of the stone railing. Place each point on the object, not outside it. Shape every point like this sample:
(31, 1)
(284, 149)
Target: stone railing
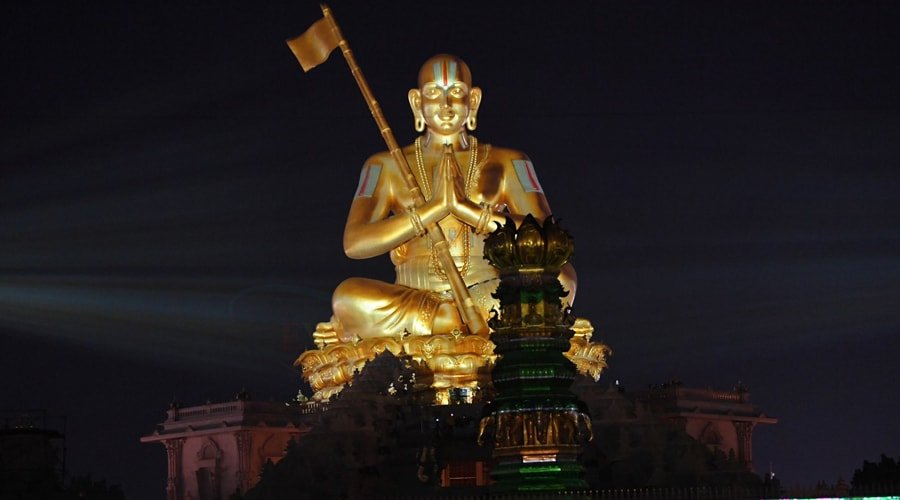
(654, 493)
(313, 407)
(679, 392)
(238, 407)
(205, 410)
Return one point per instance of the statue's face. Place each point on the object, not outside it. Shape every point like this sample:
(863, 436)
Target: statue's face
(445, 98)
(445, 105)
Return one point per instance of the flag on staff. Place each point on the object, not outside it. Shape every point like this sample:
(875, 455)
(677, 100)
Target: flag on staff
(315, 44)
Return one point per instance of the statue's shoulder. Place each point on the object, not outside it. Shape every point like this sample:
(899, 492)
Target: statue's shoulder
(380, 158)
(382, 165)
(506, 156)
(385, 158)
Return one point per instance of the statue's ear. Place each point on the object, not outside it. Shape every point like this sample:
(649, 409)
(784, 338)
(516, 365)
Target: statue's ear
(415, 103)
(474, 104)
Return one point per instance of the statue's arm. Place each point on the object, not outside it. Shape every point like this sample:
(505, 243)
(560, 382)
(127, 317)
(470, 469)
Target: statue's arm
(523, 195)
(515, 201)
(521, 190)
(378, 220)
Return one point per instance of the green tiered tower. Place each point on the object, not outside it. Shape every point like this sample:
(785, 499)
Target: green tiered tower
(537, 422)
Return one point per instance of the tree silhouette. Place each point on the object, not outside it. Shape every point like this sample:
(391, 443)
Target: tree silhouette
(877, 477)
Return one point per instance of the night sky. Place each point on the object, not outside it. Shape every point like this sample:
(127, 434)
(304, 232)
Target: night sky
(173, 191)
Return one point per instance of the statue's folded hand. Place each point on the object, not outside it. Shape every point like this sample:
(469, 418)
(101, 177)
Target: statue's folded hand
(444, 197)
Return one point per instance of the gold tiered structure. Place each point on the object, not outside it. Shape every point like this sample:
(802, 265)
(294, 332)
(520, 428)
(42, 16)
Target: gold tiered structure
(538, 423)
(406, 196)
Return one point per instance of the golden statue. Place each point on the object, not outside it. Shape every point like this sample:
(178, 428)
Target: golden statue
(469, 187)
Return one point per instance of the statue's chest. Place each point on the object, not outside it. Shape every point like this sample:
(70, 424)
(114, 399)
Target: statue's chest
(454, 230)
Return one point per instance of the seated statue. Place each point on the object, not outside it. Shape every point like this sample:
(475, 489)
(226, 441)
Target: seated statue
(467, 197)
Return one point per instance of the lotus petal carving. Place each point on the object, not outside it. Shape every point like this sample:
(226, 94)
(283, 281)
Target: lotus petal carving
(529, 246)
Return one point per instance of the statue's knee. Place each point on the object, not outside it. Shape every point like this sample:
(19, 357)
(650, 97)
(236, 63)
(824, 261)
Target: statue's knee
(345, 288)
(353, 296)
(342, 299)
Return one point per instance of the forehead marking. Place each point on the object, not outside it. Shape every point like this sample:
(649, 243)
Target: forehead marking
(452, 72)
(444, 72)
(436, 68)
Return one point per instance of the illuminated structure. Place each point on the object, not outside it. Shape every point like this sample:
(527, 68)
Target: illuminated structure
(215, 450)
(370, 437)
(418, 317)
(537, 421)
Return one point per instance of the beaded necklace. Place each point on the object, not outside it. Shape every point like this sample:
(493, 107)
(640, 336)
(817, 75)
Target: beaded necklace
(471, 177)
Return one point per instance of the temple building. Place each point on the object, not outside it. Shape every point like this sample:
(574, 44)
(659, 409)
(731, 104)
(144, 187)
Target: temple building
(721, 420)
(215, 450)
(379, 436)
(671, 434)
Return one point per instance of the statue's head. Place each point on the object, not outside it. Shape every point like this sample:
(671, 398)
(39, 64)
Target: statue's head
(445, 101)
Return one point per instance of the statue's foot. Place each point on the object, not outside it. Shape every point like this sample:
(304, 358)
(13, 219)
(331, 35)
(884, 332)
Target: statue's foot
(328, 333)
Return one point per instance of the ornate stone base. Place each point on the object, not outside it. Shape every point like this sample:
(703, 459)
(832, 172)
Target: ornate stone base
(446, 361)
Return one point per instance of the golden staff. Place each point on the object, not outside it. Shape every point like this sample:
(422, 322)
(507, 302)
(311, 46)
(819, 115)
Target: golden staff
(312, 48)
